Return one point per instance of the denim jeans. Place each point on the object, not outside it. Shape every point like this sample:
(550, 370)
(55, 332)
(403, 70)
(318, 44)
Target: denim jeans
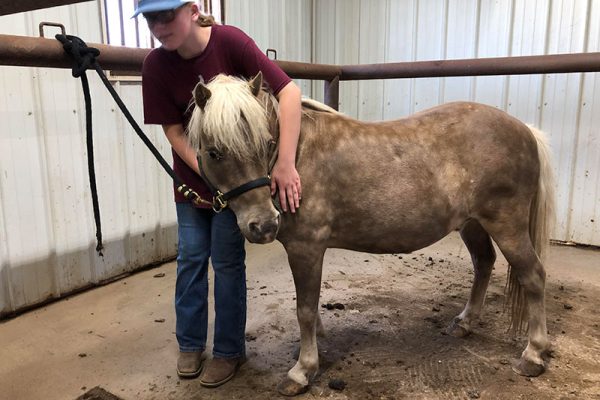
(203, 234)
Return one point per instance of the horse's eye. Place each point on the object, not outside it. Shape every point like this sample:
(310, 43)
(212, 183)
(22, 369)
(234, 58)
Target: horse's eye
(214, 154)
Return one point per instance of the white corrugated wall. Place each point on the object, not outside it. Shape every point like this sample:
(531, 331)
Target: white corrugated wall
(283, 25)
(46, 222)
(566, 106)
(47, 232)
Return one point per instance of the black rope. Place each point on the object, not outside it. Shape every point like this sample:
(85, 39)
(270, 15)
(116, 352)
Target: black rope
(89, 139)
(84, 58)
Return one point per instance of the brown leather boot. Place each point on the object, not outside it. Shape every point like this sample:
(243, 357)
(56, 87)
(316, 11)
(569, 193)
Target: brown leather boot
(220, 370)
(189, 364)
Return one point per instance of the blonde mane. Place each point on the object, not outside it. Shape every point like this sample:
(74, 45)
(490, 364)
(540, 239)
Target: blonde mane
(232, 119)
(318, 106)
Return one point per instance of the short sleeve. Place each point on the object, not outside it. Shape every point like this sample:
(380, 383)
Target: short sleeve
(159, 105)
(253, 60)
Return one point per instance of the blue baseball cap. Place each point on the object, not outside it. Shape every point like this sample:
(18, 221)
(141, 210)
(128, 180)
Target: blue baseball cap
(145, 6)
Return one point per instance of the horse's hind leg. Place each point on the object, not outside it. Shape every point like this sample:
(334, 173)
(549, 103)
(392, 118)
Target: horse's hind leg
(306, 263)
(483, 256)
(514, 241)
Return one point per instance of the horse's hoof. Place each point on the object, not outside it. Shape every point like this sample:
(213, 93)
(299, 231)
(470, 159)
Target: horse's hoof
(288, 387)
(527, 368)
(457, 330)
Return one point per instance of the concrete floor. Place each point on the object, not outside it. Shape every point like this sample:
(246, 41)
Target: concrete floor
(121, 336)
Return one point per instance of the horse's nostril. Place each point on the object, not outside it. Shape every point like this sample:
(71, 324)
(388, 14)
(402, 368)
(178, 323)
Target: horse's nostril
(263, 229)
(270, 227)
(254, 227)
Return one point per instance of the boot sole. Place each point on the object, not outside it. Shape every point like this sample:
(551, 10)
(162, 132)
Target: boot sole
(216, 384)
(189, 375)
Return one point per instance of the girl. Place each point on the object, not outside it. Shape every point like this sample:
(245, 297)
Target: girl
(194, 47)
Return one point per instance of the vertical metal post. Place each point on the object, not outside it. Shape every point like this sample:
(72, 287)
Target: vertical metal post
(332, 93)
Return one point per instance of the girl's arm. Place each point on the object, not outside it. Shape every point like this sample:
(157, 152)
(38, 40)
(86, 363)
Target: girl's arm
(284, 175)
(176, 136)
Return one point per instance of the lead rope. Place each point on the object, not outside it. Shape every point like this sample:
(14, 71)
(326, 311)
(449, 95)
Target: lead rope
(84, 58)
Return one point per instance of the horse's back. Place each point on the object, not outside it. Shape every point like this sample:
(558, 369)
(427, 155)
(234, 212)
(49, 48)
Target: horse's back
(464, 122)
(475, 138)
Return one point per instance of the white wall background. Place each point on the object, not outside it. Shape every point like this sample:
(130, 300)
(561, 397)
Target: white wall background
(46, 222)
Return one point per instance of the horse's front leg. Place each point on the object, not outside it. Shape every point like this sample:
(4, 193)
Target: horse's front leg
(306, 262)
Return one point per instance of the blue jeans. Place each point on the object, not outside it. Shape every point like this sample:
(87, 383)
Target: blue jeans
(204, 234)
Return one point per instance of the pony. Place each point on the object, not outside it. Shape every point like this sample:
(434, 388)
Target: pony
(386, 187)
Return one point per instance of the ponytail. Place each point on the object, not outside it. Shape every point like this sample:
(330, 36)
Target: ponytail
(206, 20)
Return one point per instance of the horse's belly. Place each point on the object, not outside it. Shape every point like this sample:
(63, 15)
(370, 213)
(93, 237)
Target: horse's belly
(385, 238)
(376, 222)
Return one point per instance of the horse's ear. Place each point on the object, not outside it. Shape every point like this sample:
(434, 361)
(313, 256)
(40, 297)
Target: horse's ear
(256, 83)
(201, 95)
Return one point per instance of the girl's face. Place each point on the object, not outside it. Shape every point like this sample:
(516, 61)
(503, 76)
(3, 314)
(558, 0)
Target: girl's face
(172, 28)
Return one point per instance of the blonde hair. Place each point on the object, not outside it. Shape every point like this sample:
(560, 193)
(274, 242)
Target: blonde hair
(233, 118)
(206, 20)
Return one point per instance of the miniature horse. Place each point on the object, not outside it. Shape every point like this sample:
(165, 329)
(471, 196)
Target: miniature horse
(385, 187)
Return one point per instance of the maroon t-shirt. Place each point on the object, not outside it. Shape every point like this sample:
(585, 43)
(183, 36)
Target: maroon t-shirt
(168, 81)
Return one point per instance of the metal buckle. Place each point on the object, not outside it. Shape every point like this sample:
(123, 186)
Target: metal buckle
(218, 203)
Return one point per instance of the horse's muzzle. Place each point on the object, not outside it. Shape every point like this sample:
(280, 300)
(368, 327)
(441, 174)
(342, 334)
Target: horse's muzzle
(261, 231)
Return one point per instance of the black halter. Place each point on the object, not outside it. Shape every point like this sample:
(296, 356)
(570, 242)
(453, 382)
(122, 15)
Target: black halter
(220, 199)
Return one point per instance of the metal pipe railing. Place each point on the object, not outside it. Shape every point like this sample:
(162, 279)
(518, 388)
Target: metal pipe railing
(300, 70)
(40, 52)
(24, 51)
(547, 64)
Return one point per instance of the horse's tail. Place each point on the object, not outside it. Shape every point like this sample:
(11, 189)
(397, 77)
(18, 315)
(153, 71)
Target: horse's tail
(542, 215)
(541, 222)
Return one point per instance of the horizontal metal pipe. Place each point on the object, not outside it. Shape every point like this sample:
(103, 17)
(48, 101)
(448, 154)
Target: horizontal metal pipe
(555, 63)
(300, 70)
(40, 52)
(26, 51)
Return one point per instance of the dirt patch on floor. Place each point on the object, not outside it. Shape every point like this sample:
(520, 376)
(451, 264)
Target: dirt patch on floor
(97, 393)
(388, 342)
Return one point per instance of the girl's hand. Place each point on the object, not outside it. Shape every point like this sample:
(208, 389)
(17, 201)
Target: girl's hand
(285, 178)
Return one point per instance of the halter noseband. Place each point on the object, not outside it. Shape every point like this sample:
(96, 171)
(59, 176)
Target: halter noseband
(220, 199)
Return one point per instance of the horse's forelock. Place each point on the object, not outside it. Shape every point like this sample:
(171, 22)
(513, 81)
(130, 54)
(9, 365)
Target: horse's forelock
(232, 119)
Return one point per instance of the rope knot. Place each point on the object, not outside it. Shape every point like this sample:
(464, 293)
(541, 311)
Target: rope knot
(84, 57)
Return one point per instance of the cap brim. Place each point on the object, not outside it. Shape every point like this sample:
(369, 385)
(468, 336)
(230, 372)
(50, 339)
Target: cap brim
(159, 6)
